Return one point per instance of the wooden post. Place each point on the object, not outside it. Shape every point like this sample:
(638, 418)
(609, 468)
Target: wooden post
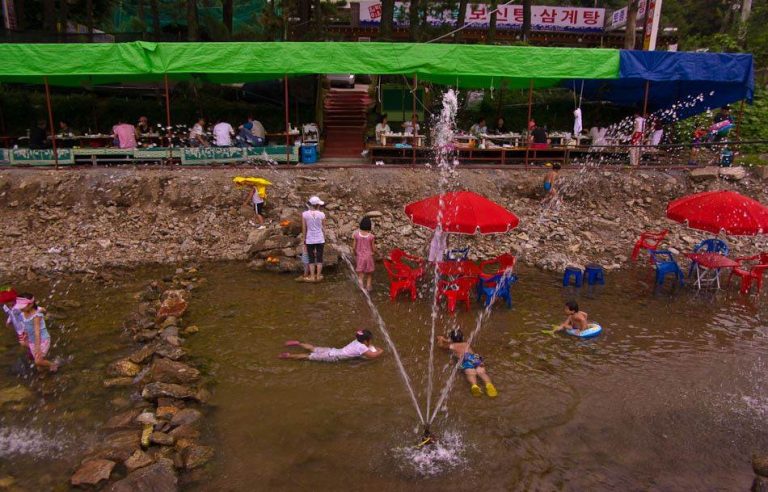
(645, 99)
(50, 122)
(287, 121)
(738, 120)
(528, 122)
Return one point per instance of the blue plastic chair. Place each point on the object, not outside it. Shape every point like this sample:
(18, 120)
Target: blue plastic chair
(498, 285)
(595, 274)
(574, 272)
(665, 263)
(711, 245)
(457, 254)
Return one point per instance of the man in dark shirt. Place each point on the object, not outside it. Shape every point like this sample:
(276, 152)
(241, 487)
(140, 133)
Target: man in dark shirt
(724, 114)
(38, 137)
(539, 138)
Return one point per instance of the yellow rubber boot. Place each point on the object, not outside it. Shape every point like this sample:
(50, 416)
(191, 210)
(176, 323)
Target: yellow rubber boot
(476, 391)
(490, 389)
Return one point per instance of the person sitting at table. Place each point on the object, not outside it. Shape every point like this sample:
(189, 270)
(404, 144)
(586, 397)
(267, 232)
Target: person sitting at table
(125, 135)
(222, 134)
(538, 138)
(381, 128)
(65, 130)
(251, 133)
(501, 128)
(479, 128)
(142, 127)
(197, 136)
(38, 136)
(412, 127)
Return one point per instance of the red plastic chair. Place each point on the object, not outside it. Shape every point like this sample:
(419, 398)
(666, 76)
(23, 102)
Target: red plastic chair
(456, 291)
(398, 256)
(650, 241)
(401, 279)
(506, 262)
(755, 273)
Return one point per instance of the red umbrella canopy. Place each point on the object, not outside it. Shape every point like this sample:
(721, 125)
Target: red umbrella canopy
(462, 212)
(716, 211)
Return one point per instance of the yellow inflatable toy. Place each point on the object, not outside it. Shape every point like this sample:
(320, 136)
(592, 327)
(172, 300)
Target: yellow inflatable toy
(260, 184)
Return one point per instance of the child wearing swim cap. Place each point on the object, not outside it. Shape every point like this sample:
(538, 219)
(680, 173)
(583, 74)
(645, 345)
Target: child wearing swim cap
(361, 346)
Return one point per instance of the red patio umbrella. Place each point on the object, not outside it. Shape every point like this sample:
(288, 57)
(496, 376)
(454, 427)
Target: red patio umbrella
(462, 212)
(716, 211)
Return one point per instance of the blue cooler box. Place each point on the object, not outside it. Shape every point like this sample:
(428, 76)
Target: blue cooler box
(309, 154)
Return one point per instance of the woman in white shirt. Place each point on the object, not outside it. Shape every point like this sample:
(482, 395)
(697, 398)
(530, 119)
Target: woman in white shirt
(314, 238)
(381, 128)
(197, 134)
(411, 127)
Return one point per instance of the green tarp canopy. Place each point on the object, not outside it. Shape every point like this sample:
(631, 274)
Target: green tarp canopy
(472, 66)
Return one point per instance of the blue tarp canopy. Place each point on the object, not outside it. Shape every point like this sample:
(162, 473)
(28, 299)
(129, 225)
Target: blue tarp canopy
(683, 83)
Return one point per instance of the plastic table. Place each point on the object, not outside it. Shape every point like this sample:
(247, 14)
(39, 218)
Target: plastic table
(708, 265)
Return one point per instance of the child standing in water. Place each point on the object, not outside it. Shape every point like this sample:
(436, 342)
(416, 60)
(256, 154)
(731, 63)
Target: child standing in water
(576, 321)
(37, 334)
(364, 247)
(471, 363)
(8, 298)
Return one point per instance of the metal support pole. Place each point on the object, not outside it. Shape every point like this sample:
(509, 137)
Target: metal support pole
(168, 118)
(415, 85)
(645, 99)
(287, 121)
(528, 123)
(50, 122)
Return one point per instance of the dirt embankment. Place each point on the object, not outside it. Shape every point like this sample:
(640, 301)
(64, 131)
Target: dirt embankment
(90, 220)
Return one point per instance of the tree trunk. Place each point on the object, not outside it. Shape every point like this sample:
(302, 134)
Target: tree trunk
(629, 36)
(461, 20)
(413, 20)
(155, 8)
(227, 9)
(140, 15)
(191, 20)
(492, 23)
(387, 19)
(746, 11)
(526, 19)
(89, 17)
(49, 15)
(21, 23)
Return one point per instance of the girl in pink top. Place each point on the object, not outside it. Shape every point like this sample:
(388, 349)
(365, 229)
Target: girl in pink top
(364, 247)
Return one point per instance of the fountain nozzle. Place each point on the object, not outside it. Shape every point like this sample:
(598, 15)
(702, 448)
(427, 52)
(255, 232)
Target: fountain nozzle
(426, 438)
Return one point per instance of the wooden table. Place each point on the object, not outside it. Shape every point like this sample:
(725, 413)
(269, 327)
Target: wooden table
(415, 140)
(708, 265)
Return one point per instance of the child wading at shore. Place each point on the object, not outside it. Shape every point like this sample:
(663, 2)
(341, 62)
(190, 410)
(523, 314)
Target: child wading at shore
(37, 334)
(364, 247)
(549, 183)
(8, 298)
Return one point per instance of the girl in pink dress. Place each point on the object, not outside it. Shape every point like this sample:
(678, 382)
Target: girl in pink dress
(364, 247)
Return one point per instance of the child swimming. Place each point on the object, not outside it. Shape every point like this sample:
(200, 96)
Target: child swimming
(359, 347)
(39, 341)
(576, 321)
(471, 363)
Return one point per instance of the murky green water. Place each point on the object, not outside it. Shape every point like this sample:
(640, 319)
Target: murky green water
(670, 397)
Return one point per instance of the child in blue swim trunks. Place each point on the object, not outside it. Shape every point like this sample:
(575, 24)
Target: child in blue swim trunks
(549, 182)
(471, 363)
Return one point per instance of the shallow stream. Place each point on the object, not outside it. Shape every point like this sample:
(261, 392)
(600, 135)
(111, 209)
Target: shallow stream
(670, 397)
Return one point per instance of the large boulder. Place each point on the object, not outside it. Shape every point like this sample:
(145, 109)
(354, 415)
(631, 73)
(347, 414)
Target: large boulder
(139, 459)
(169, 371)
(733, 173)
(119, 446)
(174, 304)
(92, 472)
(125, 420)
(705, 173)
(186, 416)
(195, 456)
(157, 477)
(143, 354)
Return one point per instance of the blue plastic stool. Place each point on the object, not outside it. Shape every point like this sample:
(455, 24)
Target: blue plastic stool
(575, 272)
(594, 274)
(309, 154)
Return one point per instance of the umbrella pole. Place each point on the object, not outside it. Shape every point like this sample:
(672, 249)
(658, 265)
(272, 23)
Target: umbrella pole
(528, 123)
(287, 121)
(413, 98)
(50, 122)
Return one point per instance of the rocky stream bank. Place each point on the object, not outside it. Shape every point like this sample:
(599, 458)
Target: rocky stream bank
(91, 220)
